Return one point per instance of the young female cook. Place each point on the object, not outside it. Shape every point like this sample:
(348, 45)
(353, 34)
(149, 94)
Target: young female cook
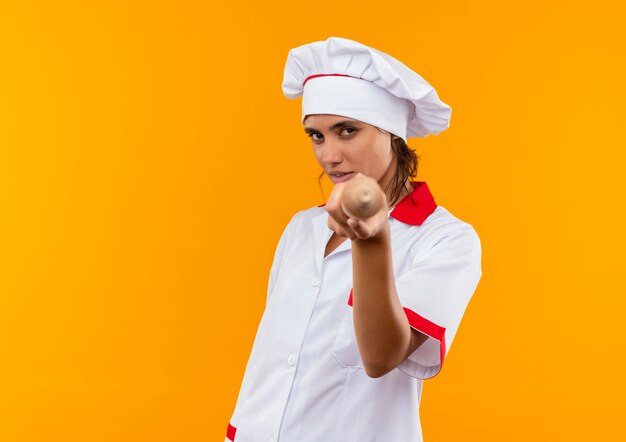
(358, 312)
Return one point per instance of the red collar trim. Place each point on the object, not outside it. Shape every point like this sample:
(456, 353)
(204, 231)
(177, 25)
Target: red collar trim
(415, 207)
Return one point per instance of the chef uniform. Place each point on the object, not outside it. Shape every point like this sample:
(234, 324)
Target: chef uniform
(305, 380)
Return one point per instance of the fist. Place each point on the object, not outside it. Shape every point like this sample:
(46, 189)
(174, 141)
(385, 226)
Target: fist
(357, 224)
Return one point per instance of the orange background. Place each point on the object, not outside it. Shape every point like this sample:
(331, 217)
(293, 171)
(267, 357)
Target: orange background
(149, 163)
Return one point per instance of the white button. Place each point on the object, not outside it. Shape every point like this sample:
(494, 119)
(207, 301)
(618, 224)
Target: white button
(291, 360)
(315, 282)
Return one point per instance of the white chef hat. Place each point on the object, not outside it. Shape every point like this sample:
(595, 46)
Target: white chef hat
(343, 77)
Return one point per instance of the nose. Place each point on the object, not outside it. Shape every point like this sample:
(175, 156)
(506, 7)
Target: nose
(332, 153)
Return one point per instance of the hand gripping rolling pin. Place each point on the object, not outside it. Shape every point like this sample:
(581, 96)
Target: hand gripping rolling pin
(362, 197)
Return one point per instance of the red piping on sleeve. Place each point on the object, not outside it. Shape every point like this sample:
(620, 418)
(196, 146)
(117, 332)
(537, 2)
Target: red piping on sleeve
(425, 326)
(230, 433)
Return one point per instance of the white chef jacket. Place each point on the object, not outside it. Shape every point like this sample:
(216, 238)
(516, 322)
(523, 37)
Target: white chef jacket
(304, 380)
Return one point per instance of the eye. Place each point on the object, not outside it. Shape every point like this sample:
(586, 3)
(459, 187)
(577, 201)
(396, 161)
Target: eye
(351, 129)
(313, 136)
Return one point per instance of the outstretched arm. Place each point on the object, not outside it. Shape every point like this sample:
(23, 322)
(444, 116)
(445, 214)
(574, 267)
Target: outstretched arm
(382, 330)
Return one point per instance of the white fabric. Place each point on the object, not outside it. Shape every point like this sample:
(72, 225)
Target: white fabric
(361, 100)
(304, 380)
(427, 114)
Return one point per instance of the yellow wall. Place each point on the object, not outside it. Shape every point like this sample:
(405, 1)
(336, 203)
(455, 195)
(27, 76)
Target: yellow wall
(149, 162)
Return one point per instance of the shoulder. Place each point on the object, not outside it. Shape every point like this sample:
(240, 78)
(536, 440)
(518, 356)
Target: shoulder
(310, 213)
(443, 222)
(303, 218)
(301, 222)
(443, 230)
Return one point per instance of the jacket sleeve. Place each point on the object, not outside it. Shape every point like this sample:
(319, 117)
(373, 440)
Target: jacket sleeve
(435, 291)
(278, 260)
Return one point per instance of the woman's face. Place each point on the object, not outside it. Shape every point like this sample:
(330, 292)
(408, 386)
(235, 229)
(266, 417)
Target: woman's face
(344, 145)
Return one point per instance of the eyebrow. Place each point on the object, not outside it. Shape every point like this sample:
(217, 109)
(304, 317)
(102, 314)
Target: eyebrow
(311, 130)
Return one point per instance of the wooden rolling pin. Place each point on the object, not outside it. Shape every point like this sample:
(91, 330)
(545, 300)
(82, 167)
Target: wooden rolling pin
(361, 197)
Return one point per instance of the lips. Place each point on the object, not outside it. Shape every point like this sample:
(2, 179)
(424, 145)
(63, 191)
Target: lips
(338, 177)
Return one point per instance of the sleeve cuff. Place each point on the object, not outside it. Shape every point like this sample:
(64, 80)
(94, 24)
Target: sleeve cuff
(427, 360)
